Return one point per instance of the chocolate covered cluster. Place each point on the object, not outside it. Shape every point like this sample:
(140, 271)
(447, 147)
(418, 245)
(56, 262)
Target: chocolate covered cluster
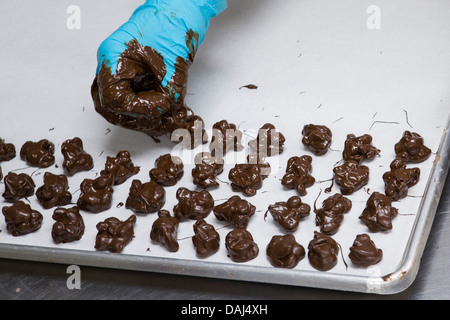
(351, 176)
(193, 204)
(38, 154)
(329, 218)
(364, 253)
(146, 197)
(225, 137)
(378, 213)
(246, 178)
(121, 167)
(235, 210)
(317, 138)
(411, 148)
(269, 141)
(69, 225)
(164, 230)
(207, 168)
(76, 159)
(399, 179)
(21, 219)
(284, 251)
(168, 170)
(240, 245)
(113, 234)
(298, 174)
(54, 192)
(7, 151)
(18, 186)
(359, 148)
(96, 194)
(289, 213)
(206, 239)
(322, 252)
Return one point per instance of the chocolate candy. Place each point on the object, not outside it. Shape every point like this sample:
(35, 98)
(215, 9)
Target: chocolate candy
(322, 252)
(146, 197)
(246, 178)
(225, 136)
(21, 219)
(54, 192)
(164, 230)
(69, 225)
(193, 204)
(317, 138)
(38, 154)
(298, 174)
(378, 213)
(331, 215)
(284, 251)
(76, 159)
(121, 167)
(207, 167)
(411, 148)
(399, 179)
(240, 245)
(351, 176)
(364, 253)
(359, 148)
(206, 240)
(96, 194)
(236, 211)
(7, 151)
(288, 214)
(113, 235)
(184, 126)
(18, 186)
(269, 142)
(169, 170)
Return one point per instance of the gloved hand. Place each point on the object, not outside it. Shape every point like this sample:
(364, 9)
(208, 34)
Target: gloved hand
(142, 67)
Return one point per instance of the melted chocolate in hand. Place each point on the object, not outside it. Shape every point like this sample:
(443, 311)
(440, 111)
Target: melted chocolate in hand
(164, 230)
(147, 197)
(121, 167)
(285, 251)
(18, 186)
(7, 151)
(378, 213)
(113, 235)
(317, 138)
(351, 176)
(288, 214)
(193, 204)
(298, 174)
(38, 154)
(168, 170)
(399, 179)
(240, 245)
(21, 219)
(206, 240)
(54, 192)
(411, 148)
(322, 252)
(96, 194)
(69, 225)
(236, 211)
(364, 253)
(75, 158)
(359, 148)
(331, 215)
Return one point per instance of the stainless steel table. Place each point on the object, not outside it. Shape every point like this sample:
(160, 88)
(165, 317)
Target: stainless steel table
(31, 280)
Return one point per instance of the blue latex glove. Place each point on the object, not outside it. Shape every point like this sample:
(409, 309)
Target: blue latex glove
(142, 66)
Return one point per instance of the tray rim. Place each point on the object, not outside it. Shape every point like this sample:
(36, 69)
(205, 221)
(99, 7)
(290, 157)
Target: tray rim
(392, 283)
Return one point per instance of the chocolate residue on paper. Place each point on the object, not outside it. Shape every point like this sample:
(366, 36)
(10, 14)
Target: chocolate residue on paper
(249, 86)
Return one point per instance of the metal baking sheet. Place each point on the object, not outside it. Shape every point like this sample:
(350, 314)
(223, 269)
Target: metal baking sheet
(318, 62)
